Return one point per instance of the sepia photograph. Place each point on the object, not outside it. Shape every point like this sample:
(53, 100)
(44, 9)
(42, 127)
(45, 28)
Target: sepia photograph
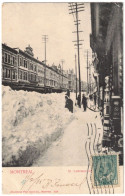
(62, 87)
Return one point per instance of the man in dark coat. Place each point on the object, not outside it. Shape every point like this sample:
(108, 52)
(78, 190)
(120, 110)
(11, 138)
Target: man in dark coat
(68, 93)
(69, 104)
(95, 98)
(84, 102)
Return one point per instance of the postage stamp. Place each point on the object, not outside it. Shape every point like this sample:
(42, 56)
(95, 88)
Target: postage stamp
(105, 170)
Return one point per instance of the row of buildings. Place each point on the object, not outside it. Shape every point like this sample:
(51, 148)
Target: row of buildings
(21, 70)
(106, 42)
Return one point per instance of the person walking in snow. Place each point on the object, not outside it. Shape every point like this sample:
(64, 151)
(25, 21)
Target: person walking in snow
(68, 93)
(69, 104)
(84, 102)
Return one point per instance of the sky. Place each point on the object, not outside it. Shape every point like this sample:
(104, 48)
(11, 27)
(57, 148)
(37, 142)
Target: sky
(25, 23)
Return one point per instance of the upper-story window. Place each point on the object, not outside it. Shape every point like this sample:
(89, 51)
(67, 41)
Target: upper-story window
(34, 67)
(6, 57)
(20, 63)
(31, 66)
(26, 64)
(13, 60)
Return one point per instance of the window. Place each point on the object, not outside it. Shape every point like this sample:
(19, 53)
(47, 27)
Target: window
(25, 76)
(20, 62)
(31, 66)
(20, 74)
(6, 57)
(26, 64)
(7, 73)
(107, 109)
(2, 56)
(13, 60)
(34, 67)
(31, 77)
(14, 75)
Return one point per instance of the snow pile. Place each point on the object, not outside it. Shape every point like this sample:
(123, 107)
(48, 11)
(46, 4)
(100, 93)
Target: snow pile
(30, 122)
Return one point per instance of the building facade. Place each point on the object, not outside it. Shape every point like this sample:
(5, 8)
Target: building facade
(9, 64)
(21, 70)
(106, 42)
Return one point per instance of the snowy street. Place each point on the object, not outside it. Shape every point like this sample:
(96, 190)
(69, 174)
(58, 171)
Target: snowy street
(39, 131)
(69, 148)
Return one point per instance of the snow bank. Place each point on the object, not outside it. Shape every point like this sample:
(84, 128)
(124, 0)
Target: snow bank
(30, 122)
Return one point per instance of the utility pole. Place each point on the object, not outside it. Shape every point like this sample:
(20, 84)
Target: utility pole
(45, 39)
(78, 53)
(75, 8)
(87, 75)
(76, 75)
(90, 78)
(62, 61)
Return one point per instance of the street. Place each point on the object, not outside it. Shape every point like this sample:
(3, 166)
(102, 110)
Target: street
(71, 147)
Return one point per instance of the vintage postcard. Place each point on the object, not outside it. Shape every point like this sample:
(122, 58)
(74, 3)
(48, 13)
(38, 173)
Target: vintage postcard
(62, 98)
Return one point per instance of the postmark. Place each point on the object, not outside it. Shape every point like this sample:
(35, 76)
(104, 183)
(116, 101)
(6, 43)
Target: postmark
(105, 170)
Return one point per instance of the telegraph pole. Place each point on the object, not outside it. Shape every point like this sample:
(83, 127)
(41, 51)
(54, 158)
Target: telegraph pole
(87, 75)
(77, 24)
(45, 39)
(75, 8)
(76, 75)
(62, 61)
(90, 78)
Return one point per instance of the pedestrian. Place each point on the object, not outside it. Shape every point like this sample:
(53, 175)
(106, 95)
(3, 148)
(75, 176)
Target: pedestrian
(69, 104)
(68, 93)
(95, 99)
(84, 102)
(78, 100)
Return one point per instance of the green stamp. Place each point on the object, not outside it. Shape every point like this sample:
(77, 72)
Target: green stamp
(105, 170)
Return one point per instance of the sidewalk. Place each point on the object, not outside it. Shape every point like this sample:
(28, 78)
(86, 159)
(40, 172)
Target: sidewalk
(70, 148)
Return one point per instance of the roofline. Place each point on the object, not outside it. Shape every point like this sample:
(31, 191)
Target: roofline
(15, 50)
(8, 47)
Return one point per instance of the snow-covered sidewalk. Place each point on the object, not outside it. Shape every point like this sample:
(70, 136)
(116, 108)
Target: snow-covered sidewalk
(69, 149)
(38, 127)
(30, 123)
